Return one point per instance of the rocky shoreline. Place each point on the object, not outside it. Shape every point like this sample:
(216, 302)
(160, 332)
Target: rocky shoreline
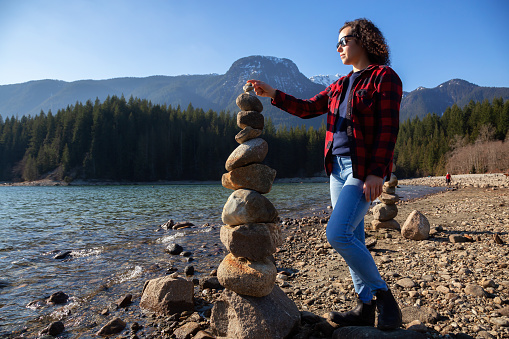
(453, 285)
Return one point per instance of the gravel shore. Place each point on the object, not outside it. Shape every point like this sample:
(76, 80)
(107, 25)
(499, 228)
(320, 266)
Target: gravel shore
(499, 180)
(453, 285)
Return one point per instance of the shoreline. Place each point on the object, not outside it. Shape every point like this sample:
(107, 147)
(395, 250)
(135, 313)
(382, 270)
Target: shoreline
(318, 284)
(50, 183)
(459, 180)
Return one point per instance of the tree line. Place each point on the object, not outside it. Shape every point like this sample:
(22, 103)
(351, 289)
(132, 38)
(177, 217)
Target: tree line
(135, 140)
(437, 144)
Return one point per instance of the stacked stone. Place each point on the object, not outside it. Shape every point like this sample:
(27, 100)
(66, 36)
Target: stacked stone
(247, 306)
(250, 234)
(385, 212)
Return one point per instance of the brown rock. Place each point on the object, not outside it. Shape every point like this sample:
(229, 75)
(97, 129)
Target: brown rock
(247, 102)
(252, 241)
(423, 314)
(204, 335)
(271, 317)
(256, 177)
(250, 118)
(247, 206)
(253, 278)
(251, 151)
(357, 332)
(475, 290)
(393, 181)
(116, 325)
(389, 199)
(387, 189)
(124, 301)
(416, 226)
(187, 331)
(167, 295)
(247, 133)
(390, 224)
(385, 212)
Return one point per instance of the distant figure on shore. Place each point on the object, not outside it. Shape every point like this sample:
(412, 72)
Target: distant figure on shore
(362, 126)
(448, 178)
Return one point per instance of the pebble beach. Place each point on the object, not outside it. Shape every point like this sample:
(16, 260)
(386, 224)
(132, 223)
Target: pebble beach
(455, 284)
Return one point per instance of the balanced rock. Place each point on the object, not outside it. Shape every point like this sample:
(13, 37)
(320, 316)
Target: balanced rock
(389, 199)
(250, 118)
(252, 241)
(248, 102)
(253, 278)
(393, 181)
(416, 226)
(385, 212)
(390, 224)
(256, 177)
(168, 295)
(271, 317)
(388, 189)
(247, 133)
(251, 151)
(247, 206)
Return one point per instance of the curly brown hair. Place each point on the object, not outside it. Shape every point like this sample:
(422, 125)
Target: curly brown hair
(370, 37)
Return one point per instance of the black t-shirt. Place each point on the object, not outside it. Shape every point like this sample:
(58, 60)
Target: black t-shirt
(340, 139)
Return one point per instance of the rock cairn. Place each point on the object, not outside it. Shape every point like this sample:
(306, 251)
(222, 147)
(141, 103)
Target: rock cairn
(385, 212)
(251, 235)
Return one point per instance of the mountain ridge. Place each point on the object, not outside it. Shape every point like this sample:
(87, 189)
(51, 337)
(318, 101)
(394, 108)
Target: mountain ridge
(218, 91)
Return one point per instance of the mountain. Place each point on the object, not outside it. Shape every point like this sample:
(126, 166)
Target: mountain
(209, 91)
(219, 91)
(435, 100)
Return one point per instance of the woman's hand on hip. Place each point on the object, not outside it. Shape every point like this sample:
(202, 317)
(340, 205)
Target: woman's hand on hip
(372, 187)
(262, 89)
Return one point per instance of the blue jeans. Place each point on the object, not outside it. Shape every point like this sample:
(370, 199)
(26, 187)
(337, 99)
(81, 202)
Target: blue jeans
(345, 230)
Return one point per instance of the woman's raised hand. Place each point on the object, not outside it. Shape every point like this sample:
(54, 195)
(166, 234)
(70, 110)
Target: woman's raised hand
(262, 89)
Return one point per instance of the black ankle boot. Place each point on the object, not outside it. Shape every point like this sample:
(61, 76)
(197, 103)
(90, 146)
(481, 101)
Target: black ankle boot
(389, 314)
(361, 315)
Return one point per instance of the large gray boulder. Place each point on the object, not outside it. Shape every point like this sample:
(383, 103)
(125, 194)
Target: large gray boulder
(271, 317)
(168, 295)
(251, 151)
(255, 177)
(253, 278)
(248, 206)
(252, 241)
(416, 226)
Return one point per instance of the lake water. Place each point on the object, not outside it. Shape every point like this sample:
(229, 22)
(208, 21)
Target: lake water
(115, 241)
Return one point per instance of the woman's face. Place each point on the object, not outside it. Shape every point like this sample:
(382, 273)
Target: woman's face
(352, 53)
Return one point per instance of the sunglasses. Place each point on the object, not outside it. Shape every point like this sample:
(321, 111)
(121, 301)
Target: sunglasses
(342, 42)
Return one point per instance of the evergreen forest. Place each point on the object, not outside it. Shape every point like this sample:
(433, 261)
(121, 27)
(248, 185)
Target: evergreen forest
(136, 140)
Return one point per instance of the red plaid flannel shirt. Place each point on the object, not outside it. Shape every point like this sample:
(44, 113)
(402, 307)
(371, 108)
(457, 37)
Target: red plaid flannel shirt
(372, 118)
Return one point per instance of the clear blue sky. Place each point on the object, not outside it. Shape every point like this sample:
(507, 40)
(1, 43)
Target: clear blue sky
(431, 41)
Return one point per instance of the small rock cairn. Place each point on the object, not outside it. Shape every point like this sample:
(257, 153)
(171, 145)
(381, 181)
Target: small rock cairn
(385, 212)
(248, 306)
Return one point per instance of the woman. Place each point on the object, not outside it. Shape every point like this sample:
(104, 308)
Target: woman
(362, 125)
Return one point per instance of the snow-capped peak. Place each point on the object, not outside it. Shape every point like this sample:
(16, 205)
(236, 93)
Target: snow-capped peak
(325, 80)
